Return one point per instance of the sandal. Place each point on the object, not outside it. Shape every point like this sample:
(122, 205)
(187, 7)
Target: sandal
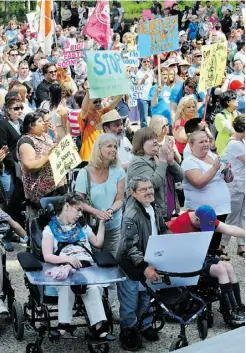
(241, 253)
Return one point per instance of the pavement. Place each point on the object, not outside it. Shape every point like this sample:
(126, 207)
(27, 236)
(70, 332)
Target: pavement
(8, 344)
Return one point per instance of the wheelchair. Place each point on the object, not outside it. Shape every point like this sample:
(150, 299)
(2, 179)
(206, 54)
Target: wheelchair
(41, 309)
(170, 304)
(8, 293)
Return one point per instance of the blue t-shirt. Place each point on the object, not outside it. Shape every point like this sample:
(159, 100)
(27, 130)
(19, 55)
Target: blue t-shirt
(193, 29)
(103, 195)
(9, 34)
(163, 106)
(192, 70)
(177, 94)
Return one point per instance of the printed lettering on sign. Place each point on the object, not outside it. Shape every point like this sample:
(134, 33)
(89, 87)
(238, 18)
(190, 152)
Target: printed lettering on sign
(106, 74)
(157, 36)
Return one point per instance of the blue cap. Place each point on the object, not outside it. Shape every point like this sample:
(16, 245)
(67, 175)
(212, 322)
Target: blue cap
(207, 217)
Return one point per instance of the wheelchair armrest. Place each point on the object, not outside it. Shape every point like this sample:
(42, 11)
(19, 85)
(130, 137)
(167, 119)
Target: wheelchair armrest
(29, 262)
(180, 274)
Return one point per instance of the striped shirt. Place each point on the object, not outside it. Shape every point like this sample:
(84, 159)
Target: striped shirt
(73, 121)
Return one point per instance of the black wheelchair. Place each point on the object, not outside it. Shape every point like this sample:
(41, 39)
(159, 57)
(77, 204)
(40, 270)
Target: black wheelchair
(40, 309)
(8, 294)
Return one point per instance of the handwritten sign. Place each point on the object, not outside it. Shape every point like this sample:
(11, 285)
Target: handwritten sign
(64, 158)
(131, 62)
(71, 54)
(158, 36)
(135, 93)
(213, 65)
(147, 14)
(106, 74)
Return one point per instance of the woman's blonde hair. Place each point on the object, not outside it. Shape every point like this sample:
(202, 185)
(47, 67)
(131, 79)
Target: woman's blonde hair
(96, 159)
(156, 124)
(169, 83)
(182, 104)
(193, 135)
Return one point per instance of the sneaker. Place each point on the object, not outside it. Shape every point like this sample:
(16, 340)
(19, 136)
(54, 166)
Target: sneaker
(7, 245)
(238, 316)
(150, 334)
(3, 309)
(24, 240)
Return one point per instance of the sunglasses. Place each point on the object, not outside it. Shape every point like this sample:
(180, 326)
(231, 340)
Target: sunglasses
(97, 101)
(52, 72)
(17, 108)
(145, 62)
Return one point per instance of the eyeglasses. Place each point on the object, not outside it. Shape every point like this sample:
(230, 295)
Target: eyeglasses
(52, 72)
(145, 61)
(17, 108)
(197, 74)
(97, 101)
(198, 56)
(143, 190)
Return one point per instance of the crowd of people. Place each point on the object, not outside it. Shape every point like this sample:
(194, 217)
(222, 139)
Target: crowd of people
(173, 163)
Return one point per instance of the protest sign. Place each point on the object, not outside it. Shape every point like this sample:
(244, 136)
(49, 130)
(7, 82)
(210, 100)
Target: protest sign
(71, 54)
(131, 62)
(63, 158)
(158, 36)
(213, 65)
(178, 253)
(135, 93)
(106, 74)
(32, 22)
(147, 14)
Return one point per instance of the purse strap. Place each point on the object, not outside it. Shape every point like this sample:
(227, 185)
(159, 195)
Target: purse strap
(88, 183)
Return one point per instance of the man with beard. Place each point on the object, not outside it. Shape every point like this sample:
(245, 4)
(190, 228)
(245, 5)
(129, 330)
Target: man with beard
(112, 123)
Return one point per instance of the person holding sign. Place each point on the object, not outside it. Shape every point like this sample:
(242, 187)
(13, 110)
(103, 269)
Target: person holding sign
(145, 77)
(34, 149)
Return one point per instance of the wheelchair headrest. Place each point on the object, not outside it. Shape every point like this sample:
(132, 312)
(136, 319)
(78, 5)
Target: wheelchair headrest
(53, 200)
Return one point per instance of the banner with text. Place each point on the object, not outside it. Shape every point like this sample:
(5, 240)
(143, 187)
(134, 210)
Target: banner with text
(214, 57)
(135, 93)
(158, 36)
(106, 74)
(63, 158)
(71, 54)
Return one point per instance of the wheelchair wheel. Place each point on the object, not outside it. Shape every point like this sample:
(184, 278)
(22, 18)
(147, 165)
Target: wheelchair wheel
(202, 325)
(99, 348)
(30, 348)
(177, 344)
(158, 322)
(18, 319)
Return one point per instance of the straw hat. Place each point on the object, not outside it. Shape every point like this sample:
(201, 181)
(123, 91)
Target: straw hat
(109, 117)
(183, 63)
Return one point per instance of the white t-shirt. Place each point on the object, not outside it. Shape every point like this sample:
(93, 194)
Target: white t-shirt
(73, 250)
(215, 193)
(236, 149)
(125, 151)
(151, 212)
(148, 82)
(187, 151)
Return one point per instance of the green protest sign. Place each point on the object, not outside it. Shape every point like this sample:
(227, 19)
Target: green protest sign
(106, 74)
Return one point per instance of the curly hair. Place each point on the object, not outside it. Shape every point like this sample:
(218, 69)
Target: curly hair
(182, 104)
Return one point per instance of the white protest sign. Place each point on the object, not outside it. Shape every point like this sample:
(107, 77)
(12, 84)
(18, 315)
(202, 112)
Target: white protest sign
(71, 54)
(63, 158)
(131, 62)
(135, 93)
(178, 253)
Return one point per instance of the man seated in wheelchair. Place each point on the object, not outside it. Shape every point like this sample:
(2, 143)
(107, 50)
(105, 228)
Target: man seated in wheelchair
(141, 219)
(62, 243)
(204, 219)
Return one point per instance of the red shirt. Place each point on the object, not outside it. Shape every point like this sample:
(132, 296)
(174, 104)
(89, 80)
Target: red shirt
(182, 224)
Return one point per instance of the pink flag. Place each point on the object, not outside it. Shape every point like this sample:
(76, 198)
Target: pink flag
(98, 26)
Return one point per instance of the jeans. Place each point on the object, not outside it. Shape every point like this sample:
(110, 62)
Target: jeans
(143, 107)
(133, 303)
(7, 180)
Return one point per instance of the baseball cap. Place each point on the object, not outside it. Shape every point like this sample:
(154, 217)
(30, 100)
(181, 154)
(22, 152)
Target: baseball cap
(207, 217)
(181, 33)
(236, 84)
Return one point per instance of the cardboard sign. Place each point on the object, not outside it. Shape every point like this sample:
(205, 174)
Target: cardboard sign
(63, 158)
(178, 253)
(158, 36)
(214, 57)
(131, 62)
(147, 14)
(106, 74)
(135, 93)
(71, 54)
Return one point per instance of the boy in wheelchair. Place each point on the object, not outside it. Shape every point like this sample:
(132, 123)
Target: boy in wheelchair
(62, 242)
(204, 219)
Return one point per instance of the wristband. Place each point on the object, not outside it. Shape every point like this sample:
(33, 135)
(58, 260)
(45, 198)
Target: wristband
(110, 209)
